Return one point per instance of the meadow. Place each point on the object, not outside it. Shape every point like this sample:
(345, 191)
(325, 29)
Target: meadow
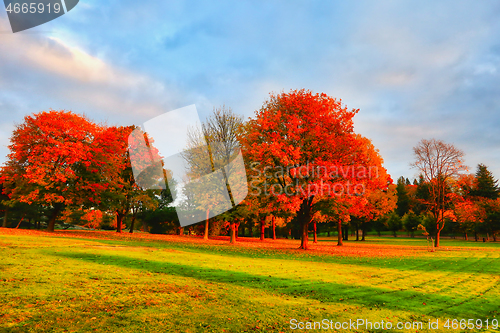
(79, 281)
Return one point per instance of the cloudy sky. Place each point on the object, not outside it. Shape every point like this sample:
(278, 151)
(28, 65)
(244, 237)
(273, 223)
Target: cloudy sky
(426, 69)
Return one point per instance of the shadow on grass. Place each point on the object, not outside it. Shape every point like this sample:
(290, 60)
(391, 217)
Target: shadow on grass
(370, 297)
(452, 264)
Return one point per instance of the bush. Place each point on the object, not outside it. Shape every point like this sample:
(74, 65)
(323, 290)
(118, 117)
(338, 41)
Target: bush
(410, 222)
(394, 223)
(162, 221)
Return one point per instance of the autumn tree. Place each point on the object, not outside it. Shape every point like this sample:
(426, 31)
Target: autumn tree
(469, 214)
(140, 187)
(379, 194)
(307, 141)
(265, 209)
(50, 162)
(216, 184)
(121, 189)
(4, 203)
(438, 162)
(374, 204)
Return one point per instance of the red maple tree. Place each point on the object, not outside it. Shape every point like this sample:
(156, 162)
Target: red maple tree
(51, 161)
(307, 145)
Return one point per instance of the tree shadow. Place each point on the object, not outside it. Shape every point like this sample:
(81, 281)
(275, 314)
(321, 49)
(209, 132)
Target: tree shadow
(327, 292)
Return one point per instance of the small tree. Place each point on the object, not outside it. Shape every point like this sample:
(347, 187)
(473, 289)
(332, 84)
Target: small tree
(210, 151)
(394, 223)
(438, 162)
(410, 222)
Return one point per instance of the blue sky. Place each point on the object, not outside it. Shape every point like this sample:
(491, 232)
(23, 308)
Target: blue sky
(415, 70)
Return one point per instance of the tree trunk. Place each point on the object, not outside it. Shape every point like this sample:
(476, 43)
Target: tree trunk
(305, 219)
(238, 230)
(363, 233)
(475, 235)
(233, 232)
(487, 236)
(4, 224)
(315, 233)
(328, 232)
(262, 228)
(132, 224)
(52, 221)
(438, 233)
(274, 228)
(304, 242)
(181, 231)
(466, 237)
(119, 222)
(205, 234)
(339, 228)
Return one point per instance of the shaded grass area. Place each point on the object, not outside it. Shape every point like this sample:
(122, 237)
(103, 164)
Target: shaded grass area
(59, 284)
(389, 296)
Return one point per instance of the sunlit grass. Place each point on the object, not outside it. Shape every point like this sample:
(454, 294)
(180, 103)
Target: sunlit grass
(178, 284)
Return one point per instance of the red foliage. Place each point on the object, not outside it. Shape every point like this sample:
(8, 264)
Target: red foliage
(304, 144)
(60, 159)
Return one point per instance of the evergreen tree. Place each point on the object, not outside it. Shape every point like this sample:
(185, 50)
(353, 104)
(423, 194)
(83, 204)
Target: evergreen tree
(486, 185)
(394, 223)
(403, 204)
(410, 222)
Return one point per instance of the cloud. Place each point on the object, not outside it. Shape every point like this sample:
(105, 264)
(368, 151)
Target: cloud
(415, 71)
(50, 67)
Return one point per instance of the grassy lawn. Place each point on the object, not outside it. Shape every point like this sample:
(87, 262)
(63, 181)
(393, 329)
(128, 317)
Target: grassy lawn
(102, 282)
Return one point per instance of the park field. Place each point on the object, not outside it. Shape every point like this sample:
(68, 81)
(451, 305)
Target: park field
(79, 281)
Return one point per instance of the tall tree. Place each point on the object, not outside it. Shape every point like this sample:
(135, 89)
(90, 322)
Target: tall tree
(211, 149)
(140, 187)
(50, 156)
(307, 141)
(403, 203)
(486, 185)
(438, 162)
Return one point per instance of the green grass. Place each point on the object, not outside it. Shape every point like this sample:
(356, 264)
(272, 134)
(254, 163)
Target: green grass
(66, 284)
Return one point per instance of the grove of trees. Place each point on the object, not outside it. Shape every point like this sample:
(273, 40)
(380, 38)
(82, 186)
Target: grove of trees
(307, 172)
